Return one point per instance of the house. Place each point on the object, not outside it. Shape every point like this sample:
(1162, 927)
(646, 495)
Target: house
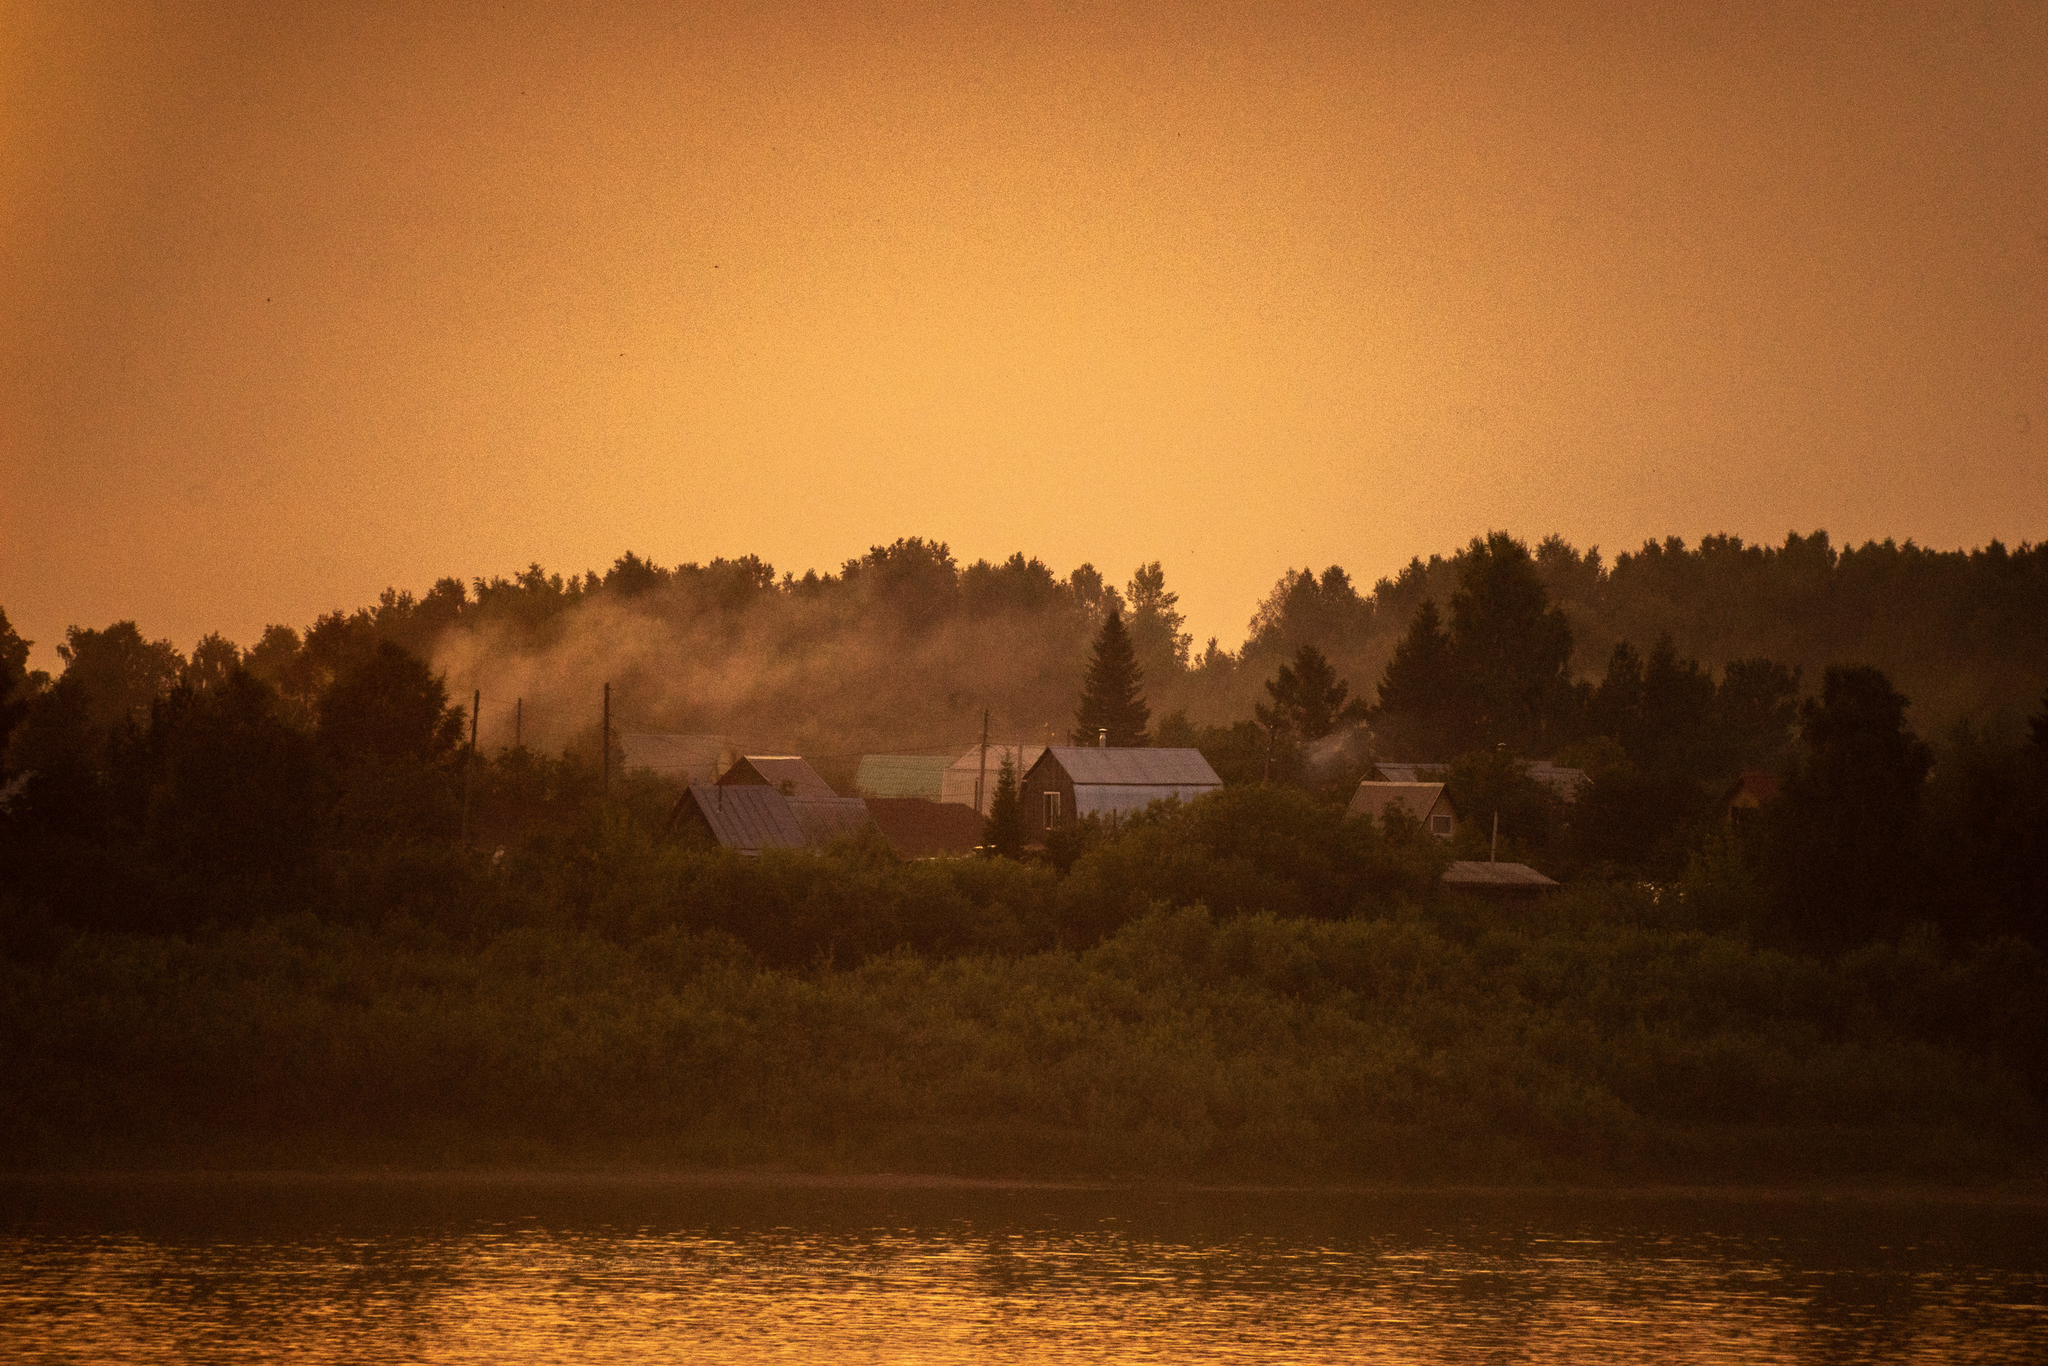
(1497, 881)
(902, 775)
(747, 817)
(1071, 782)
(786, 773)
(750, 817)
(1427, 804)
(1750, 793)
(917, 828)
(681, 758)
(966, 773)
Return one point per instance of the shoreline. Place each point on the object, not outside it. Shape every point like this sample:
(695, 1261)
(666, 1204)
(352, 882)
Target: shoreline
(2014, 1194)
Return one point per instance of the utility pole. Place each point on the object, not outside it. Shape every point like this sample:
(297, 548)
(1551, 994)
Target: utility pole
(519, 723)
(605, 744)
(476, 702)
(1493, 854)
(981, 778)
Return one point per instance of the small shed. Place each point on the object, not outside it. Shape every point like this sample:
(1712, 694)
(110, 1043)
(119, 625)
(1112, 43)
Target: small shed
(902, 775)
(966, 771)
(1427, 804)
(1500, 881)
(786, 773)
(1070, 782)
(746, 817)
(916, 828)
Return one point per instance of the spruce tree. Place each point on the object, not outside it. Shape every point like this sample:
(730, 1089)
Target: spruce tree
(1110, 696)
(1420, 698)
(1309, 698)
(1003, 831)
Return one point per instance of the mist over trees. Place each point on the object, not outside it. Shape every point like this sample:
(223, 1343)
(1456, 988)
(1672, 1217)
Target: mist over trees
(231, 844)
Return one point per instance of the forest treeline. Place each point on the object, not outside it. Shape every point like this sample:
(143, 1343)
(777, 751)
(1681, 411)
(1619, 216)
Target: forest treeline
(267, 904)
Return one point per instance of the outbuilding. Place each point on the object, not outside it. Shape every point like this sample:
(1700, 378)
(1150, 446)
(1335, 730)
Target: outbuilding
(786, 773)
(1427, 804)
(1072, 782)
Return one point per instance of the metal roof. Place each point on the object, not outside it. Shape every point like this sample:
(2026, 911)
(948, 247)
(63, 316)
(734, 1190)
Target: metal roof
(901, 775)
(747, 817)
(1476, 874)
(1419, 800)
(1408, 773)
(773, 770)
(1142, 767)
(825, 821)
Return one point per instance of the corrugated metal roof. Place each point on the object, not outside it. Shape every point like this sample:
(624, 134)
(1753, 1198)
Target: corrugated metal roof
(747, 817)
(773, 770)
(825, 821)
(1408, 773)
(1417, 799)
(1138, 766)
(1107, 799)
(902, 775)
(1478, 875)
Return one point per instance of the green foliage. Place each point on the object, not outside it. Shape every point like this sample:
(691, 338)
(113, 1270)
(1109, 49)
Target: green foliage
(1844, 846)
(1004, 830)
(1309, 699)
(389, 708)
(1111, 696)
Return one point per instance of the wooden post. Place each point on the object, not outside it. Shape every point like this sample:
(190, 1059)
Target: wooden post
(519, 723)
(605, 743)
(981, 778)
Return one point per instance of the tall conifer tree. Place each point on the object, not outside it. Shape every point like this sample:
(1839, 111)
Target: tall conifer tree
(1110, 696)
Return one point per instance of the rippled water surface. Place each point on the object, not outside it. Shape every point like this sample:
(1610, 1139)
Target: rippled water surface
(624, 1271)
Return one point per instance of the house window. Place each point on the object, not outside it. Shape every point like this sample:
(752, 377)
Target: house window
(1052, 809)
(1440, 826)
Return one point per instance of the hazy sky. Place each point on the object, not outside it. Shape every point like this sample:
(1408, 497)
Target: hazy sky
(298, 301)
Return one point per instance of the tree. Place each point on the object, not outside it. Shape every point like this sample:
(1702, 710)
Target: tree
(1110, 696)
(1309, 699)
(1755, 710)
(236, 788)
(390, 706)
(213, 659)
(14, 682)
(117, 672)
(1511, 648)
(1844, 848)
(1003, 831)
(1419, 713)
(1160, 644)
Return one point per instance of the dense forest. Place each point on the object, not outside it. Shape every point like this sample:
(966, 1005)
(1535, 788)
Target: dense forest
(268, 904)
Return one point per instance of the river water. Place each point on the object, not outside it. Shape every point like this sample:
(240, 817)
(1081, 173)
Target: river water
(316, 1269)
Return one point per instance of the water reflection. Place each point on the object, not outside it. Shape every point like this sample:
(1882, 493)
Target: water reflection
(340, 1270)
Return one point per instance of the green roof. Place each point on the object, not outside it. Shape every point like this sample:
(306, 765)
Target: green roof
(901, 775)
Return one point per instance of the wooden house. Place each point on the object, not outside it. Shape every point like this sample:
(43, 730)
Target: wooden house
(1072, 782)
(1427, 804)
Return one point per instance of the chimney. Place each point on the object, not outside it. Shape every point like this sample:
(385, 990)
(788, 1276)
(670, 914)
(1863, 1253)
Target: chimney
(1102, 738)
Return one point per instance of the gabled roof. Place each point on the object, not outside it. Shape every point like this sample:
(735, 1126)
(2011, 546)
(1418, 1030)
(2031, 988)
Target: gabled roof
(901, 775)
(746, 817)
(958, 785)
(1089, 765)
(1418, 800)
(773, 770)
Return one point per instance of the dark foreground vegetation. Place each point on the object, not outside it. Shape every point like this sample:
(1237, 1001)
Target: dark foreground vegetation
(270, 909)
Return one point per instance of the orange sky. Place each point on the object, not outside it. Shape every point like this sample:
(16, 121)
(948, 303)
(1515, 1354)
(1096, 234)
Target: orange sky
(295, 306)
